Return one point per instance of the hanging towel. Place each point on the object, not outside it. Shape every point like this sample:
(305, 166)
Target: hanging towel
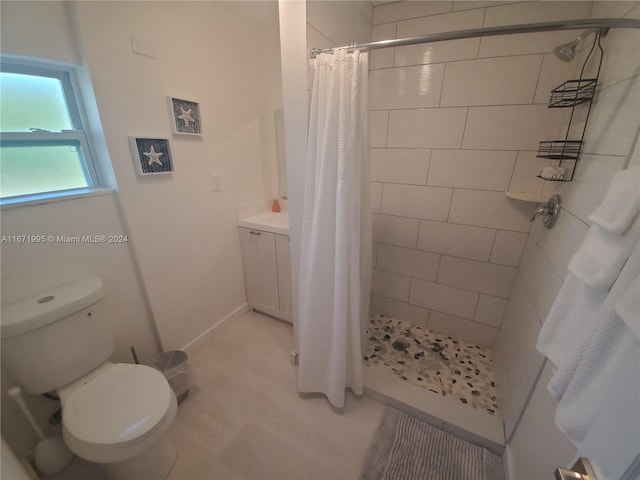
(583, 336)
(607, 345)
(621, 203)
(628, 308)
(598, 261)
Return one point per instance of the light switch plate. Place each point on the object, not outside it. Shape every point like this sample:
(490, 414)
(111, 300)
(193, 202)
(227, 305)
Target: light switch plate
(215, 182)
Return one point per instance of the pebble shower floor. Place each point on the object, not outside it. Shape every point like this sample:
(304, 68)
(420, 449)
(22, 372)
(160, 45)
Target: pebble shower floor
(443, 365)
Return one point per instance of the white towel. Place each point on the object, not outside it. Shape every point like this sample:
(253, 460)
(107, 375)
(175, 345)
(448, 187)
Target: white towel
(606, 344)
(628, 308)
(561, 335)
(621, 203)
(583, 336)
(600, 258)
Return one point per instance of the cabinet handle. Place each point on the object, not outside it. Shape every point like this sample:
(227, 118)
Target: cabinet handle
(253, 232)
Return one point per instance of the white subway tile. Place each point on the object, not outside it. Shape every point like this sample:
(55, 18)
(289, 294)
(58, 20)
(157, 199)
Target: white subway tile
(427, 128)
(441, 23)
(563, 240)
(613, 123)
(405, 87)
(437, 52)
(525, 174)
(458, 240)
(443, 298)
(400, 165)
(374, 255)
(611, 8)
(511, 127)
(333, 19)
(390, 285)
(365, 8)
(554, 73)
(469, 4)
(360, 28)
(475, 169)
(621, 45)
(382, 58)
(478, 276)
(399, 231)
(376, 196)
(541, 278)
(491, 81)
(430, 203)
(534, 12)
(401, 10)
(407, 261)
(385, 31)
(523, 43)
(584, 193)
(482, 335)
(490, 310)
(489, 209)
(400, 310)
(378, 122)
(508, 248)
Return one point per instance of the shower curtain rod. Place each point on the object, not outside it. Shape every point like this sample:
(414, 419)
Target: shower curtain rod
(601, 23)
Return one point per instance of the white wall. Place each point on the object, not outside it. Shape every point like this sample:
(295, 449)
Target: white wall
(611, 134)
(29, 29)
(332, 24)
(185, 234)
(182, 234)
(453, 126)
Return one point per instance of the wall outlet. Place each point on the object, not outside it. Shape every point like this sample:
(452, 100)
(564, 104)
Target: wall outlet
(215, 182)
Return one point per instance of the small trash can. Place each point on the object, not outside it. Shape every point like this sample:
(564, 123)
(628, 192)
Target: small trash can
(173, 365)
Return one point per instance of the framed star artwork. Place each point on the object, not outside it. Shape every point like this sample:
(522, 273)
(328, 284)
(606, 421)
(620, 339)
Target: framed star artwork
(185, 116)
(151, 155)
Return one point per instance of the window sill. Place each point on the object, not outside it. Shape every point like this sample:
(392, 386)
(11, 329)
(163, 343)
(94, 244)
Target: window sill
(43, 198)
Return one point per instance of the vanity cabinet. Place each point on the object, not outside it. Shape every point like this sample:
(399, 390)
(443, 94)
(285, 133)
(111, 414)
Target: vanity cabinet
(267, 271)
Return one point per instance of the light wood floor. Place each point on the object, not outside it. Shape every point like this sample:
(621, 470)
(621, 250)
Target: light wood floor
(245, 420)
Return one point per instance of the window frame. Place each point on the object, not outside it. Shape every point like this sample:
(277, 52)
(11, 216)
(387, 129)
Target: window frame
(66, 74)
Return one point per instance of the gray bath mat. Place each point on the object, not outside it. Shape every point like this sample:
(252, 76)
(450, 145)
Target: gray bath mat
(405, 448)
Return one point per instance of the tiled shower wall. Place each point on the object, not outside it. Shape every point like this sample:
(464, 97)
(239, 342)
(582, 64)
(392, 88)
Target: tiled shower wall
(453, 126)
(610, 143)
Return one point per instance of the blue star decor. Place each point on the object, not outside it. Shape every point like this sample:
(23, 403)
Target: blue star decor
(185, 116)
(152, 155)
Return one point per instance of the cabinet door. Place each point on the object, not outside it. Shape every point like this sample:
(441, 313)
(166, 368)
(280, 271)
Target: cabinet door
(260, 271)
(284, 275)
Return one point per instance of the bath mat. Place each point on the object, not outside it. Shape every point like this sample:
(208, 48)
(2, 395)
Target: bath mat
(406, 448)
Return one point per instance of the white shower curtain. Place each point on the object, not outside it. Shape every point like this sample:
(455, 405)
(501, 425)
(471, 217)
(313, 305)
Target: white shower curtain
(335, 263)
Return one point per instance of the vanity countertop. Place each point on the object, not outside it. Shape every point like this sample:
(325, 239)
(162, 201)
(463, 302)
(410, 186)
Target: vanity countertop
(275, 222)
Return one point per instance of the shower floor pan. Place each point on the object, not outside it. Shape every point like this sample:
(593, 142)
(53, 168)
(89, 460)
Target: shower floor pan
(446, 381)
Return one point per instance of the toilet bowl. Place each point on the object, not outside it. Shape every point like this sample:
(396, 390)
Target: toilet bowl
(116, 415)
(117, 412)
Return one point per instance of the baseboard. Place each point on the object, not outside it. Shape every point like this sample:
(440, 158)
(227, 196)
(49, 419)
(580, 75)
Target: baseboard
(216, 329)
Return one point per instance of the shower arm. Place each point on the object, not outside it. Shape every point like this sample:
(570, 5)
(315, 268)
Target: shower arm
(601, 24)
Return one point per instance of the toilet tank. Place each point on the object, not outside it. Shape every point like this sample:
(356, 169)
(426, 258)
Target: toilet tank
(51, 339)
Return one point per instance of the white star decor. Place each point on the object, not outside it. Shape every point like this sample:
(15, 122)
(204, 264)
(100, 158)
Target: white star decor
(186, 116)
(153, 156)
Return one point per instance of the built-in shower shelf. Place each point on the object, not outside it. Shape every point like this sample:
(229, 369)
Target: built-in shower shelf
(572, 93)
(527, 197)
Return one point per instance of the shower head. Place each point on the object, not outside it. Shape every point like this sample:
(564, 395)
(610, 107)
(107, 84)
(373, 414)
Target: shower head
(567, 52)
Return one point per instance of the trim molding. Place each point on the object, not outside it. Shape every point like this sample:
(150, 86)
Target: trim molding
(216, 329)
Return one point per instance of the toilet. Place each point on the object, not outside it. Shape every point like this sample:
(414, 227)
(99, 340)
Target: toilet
(116, 415)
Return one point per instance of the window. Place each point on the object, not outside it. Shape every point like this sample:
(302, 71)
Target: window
(44, 150)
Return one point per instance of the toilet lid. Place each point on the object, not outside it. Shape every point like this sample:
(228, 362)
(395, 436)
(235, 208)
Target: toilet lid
(120, 405)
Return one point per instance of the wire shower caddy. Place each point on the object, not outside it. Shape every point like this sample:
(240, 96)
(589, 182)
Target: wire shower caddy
(571, 94)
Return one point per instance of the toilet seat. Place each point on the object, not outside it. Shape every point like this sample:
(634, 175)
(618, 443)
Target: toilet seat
(117, 413)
